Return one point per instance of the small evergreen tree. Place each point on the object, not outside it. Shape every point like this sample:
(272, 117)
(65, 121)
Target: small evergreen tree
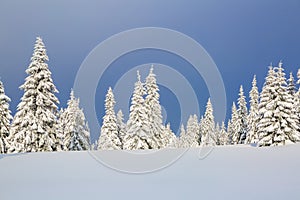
(183, 143)
(252, 136)
(74, 128)
(109, 139)
(217, 133)
(233, 124)
(192, 132)
(223, 137)
(208, 137)
(240, 135)
(5, 119)
(121, 126)
(170, 137)
(291, 87)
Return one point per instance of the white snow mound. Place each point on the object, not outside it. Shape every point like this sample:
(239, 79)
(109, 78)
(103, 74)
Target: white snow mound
(228, 172)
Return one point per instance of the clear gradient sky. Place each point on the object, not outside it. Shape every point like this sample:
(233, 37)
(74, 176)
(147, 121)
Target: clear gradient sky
(242, 37)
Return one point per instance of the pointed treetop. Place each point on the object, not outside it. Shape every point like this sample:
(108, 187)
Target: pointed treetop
(138, 75)
(291, 76)
(39, 50)
(271, 65)
(1, 84)
(254, 79)
(72, 96)
(241, 90)
(151, 69)
(280, 64)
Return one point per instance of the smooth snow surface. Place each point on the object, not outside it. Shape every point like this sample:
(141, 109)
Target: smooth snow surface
(229, 172)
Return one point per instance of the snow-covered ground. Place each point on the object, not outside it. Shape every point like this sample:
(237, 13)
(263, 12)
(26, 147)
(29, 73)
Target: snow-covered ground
(232, 172)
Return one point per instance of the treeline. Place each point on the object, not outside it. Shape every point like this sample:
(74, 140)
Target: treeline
(273, 117)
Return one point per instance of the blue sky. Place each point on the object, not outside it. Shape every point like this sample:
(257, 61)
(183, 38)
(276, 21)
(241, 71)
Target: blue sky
(242, 37)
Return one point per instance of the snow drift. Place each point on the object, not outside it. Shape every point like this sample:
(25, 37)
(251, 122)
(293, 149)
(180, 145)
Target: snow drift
(228, 172)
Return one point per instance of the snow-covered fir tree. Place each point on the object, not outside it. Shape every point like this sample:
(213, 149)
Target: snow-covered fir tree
(35, 124)
(153, 110)
(192, 132)
(291, 87)
(233, 124)
(121, 126)
(5, 119)
(297, 97)
(222, 136)
(74, 128)
(60, 130)
(170, 137)
(217, 133)
(183, 143)
(278, 121)
(138, 134)
(252, 136)
(109, 139)
(240, 134)
(208, 137)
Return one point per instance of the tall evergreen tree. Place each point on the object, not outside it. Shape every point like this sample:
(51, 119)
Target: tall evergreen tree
(153, 109)
(5, 119)
(297, 97)
(208, 136)
(109, 139)
(223, 137)
(277, 124)
(217, 133)
(291, 87)
(252, 136)
(138, 134)
(35, 123)
(233, 124)
(60, 131)
(240, 135)
(121, 126)
(74, 128)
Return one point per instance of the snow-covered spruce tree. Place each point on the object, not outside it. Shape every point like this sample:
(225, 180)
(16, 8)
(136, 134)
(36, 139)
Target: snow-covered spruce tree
(291, 87)
(223, 137)
(35, 123)
(60, 131)
(170, 137)
(233, 124)
(252, 136)
(297, 97)
(121, 126)
(138, 134)
(153, 110)
(208, 137)
(278, 121)
(217, 133)
(109, 139)
(240, 135)
(182, 138)
(74, 128)
(192, 132)
(5, 119)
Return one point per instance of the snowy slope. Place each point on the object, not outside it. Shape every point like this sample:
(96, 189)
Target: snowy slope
(226, 173)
